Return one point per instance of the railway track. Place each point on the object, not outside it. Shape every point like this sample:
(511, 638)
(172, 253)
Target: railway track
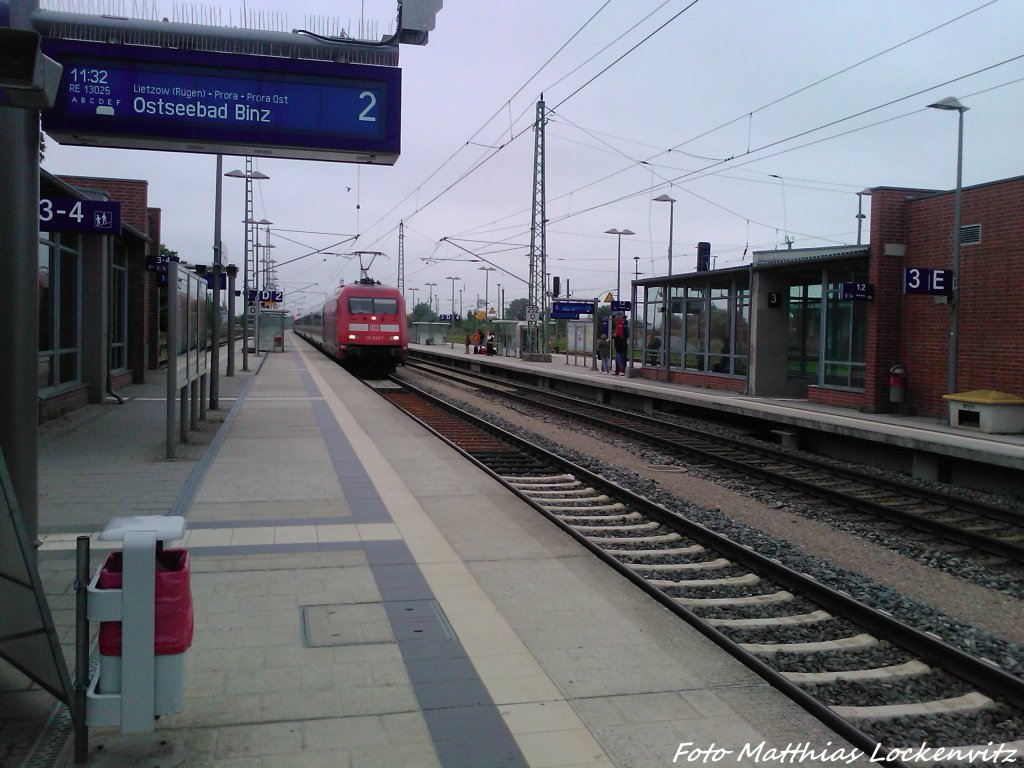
(987, 534)
(886, 687)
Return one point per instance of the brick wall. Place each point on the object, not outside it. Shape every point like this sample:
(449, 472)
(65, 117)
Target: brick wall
(991, 313)
(724, 383)
(839, 398)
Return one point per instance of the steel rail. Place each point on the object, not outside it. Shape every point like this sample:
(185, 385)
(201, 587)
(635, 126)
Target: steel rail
(985, 675)
(979, 541)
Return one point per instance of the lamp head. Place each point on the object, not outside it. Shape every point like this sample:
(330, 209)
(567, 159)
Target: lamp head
(664, 199)
(950, 104)
(236, 174)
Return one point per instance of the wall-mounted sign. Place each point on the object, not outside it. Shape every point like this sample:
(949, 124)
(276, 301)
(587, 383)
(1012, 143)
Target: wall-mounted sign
(857, 292)
(266, 295)
(143, 97)
(934, 282)
(450, 318)
(59, 214)
(622, 306)
(157, 264)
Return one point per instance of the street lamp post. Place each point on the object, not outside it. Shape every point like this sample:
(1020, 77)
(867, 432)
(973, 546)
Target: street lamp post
(860, 213)
(256, 281)
(430, 299)
(618, 262)
(248, 175)
(487, 280)
(952, 104)
(452, 320)
(666, 337)
(217, 264)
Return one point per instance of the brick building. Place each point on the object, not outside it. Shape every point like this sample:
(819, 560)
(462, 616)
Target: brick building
(828, 324)
(98, 304)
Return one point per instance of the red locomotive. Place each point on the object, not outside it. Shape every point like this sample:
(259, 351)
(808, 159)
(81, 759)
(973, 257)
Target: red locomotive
(362, 327)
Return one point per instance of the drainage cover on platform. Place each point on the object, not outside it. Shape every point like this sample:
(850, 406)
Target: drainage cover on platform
(383, 622)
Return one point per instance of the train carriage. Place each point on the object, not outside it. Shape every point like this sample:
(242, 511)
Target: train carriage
(363, 327)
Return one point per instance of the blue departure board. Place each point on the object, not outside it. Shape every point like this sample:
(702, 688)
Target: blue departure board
(158, 98)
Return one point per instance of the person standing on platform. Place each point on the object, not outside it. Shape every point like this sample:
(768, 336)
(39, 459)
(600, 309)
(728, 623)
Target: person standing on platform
(603, 350)
(620, 355)
(468, 341)
(490, 343)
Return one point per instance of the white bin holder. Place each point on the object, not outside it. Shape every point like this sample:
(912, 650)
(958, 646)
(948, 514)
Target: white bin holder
(143, 685)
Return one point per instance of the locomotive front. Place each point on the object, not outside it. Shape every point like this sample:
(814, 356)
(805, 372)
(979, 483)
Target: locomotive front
(371, 327)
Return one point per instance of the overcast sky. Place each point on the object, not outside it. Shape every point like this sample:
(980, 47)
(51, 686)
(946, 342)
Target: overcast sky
(762, 118)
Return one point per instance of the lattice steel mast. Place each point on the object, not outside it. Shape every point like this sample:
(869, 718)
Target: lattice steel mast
(537, 339)
(401, 258)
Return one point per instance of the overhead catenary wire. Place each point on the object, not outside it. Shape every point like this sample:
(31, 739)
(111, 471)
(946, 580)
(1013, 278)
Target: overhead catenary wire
(480, 162)
(732, 161)
(753, 154)
(478, 131)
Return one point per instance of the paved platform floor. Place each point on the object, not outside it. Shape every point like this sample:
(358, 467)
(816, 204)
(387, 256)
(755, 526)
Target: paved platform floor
(364, 597)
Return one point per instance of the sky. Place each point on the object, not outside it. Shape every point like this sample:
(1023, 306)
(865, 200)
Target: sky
(763, 119)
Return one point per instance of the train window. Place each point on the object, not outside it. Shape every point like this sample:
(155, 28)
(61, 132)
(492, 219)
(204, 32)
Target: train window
(365, 305)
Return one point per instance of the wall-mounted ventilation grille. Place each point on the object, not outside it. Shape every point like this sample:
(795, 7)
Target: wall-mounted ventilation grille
(970, 234)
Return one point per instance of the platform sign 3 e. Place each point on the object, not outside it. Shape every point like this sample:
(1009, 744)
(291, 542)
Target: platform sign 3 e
(930, 282)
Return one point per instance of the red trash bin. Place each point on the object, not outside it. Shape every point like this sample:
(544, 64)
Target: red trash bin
(173, 605)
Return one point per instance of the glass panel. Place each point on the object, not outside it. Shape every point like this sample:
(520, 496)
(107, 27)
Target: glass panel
(857, 375)
(68, 367)
(719, 342)
(741, 331)
(859, 332)
(676, 327)
(182, 310)
(837, 335)
(385, 306)
(695, 335)
(118, 313)
(360, 305)
(804, 324)
(654, 315)
(45, 299)
(845, 331)
(68, 287)
(45, 371)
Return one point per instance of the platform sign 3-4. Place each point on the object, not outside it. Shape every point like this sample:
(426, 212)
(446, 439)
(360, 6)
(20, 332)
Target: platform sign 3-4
(60, 214)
